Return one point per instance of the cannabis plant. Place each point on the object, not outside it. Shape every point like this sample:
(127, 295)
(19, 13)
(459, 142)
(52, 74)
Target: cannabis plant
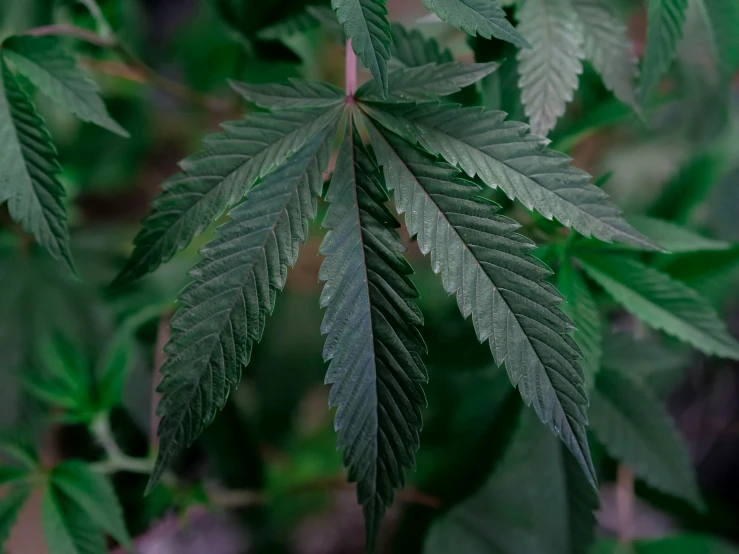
(422, 145)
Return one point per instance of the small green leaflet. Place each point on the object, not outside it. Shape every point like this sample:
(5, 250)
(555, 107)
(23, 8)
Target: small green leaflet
(426, 82)
(233, 290)
(662, 302)
(18, 447)
(477, 17)
(665, 20)
(548, 71)
(93, 495)
(504, 155)
(295, 93)
(675, 238)
(366, 25)
(28, 170)
(582, 309)
(677, 544)
(10, 505)
(533, 503)
(371, 332)
(636, 430)
(487, 265)
(218, 178)
(46, 63)
(607, 45)
(67, 528)
(412, 49)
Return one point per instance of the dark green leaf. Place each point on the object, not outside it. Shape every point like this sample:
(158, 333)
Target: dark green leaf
(28, 170)
(233, 290)
(67, 529)
(295, 93)
(372, 341)
(412, 49)
(46, 63)
(678, 544)
(674, 238)
(10, 505)
(488, 266)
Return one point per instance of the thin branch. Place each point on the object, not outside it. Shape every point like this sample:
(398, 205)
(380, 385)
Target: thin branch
(116, 459)
(625, 504)
(72, 31)
(351, 70)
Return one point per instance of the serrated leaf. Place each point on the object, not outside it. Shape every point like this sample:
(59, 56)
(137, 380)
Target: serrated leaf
(636, 430)
(529, 505)
(233, 290)
(504, 155)
(607, 45)
(426, 82)
(549, 71)
(48, 65)
(295, 93)
(67, 528)
(665, 20)
(488, 266)
(10, 506)
(477, 17)
(675, 238)
(93, 495)
(28, 170)
(218, 178)
(662, 302)
(582, 309)
(722, 19)
(365, 24)
(412, 49)
(372, 341)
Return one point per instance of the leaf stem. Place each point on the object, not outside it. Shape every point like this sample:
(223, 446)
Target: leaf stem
(625, 504)
(116, 459)
(172, 88)
(351, 70)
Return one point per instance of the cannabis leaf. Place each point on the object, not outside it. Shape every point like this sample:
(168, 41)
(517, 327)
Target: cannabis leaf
(366, 25)
(488, 266)
(28, 170)
(723, 20)
(372, 341)
(504, 155)
(412, 49)
(477, 17)
(10, 506)
(426, 82)
(675, 238)
(665, 20)
(233, 290)
(635, 429)
(662, 302)
(295, 93)
(607, 45)
(46, 63)
(532, 504)
(580, 306)
(218, 178)
(67, 527)
(549, 70)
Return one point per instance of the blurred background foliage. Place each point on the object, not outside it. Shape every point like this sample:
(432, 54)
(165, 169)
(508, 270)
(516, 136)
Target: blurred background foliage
(489, 477)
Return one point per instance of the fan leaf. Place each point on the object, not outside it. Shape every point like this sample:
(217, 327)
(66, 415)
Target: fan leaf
(635, 429)
(48, 65)
(503, 154)
(233, 290)
(412, 49)
(67, 528)
(295, 93)
(218, 178)
(662, 302)
(665, 21)
(10, 506)
(29, 169)
(488, 266)
(426, 82)
(372, 340)
(366, 25)
(675, 238)
(548, 71)
(477, 17)
(607, 45)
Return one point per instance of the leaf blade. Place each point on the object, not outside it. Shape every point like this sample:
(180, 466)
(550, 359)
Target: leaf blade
(295, 93)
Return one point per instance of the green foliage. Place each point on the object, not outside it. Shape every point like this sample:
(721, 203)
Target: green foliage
(366, 25)
(635, 429)
(372, 341)
(10, 506)
(675, 238)
(412, 49)
(29, 182)
(532, 504)
(45, 62)
(678, 544)
(722, 20)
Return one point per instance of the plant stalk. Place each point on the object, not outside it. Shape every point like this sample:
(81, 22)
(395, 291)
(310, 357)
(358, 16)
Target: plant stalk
(351, 70)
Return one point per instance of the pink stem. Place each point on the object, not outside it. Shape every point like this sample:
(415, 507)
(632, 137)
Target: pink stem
(351, 69)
